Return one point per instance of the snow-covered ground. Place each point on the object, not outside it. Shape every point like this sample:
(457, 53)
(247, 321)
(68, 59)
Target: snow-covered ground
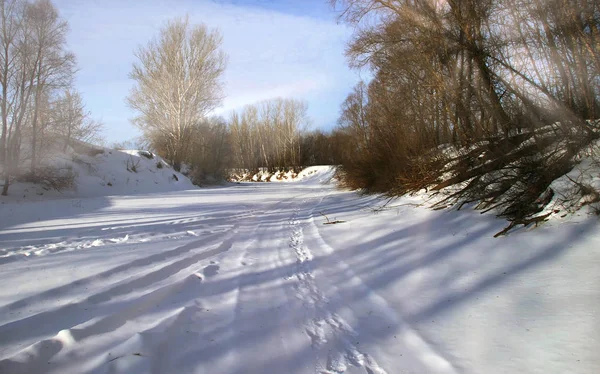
(111, 172)
(248, 279)
(265, 176)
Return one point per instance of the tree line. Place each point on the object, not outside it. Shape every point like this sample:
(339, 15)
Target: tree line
(270, 135)
(494, 97)
(39, 107)
(177, 85)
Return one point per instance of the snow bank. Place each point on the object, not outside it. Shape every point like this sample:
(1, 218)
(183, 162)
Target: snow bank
(579, 188)
(322, 171)
(110, 172)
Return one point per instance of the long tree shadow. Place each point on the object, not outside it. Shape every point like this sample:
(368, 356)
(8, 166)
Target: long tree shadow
(380, 260)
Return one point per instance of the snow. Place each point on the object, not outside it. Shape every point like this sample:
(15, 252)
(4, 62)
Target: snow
(568, 194)
(112, 172)
(248, 279)
(264, 175)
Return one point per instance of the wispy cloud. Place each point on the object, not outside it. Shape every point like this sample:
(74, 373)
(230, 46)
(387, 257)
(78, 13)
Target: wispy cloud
(271, 54)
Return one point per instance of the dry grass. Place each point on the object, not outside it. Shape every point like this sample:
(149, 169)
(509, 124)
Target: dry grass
(56, 178)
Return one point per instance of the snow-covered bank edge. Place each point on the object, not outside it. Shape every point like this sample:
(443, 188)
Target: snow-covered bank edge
(575, 193)
(264, 175)
(103, 172)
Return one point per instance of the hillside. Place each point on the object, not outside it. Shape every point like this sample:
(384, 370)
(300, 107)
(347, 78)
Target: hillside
(104, 172)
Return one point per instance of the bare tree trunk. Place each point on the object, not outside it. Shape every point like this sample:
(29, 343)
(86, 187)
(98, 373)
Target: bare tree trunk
(34, 125)
(6, 184)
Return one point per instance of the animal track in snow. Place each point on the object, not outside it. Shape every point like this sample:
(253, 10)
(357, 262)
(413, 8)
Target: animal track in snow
(328, 332)
(211, 270)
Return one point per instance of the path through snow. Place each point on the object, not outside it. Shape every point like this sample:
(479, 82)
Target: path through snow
(246, 279)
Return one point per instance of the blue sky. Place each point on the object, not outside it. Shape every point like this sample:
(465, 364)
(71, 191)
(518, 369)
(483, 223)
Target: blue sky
(276, 48)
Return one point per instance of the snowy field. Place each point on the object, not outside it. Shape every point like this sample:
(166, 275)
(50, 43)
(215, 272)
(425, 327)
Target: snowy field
(248, 279)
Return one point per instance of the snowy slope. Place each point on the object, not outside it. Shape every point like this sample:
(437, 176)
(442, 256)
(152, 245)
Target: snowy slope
(278, 176)
(112, 172)
(248, 279)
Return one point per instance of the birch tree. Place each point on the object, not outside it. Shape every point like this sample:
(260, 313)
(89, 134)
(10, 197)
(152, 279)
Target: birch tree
(33, 60)
(54, 65)
(71, 121)
(177, 83)
(14, 73)
(268, 134)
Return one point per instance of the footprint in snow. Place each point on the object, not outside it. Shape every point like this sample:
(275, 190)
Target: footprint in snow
(211, 270)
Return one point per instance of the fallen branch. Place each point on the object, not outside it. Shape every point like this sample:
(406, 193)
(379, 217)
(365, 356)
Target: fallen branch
(525, 222)
(329, 222)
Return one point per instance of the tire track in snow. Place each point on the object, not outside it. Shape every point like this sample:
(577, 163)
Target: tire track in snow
(111, 275)
(179, 228)
(193, 325)
(41, 353)
(86, 310)
(265, 316)
(405, 339)
(119, 303)
(212, 335)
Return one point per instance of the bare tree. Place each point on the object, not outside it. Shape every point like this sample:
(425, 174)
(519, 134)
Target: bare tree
(210, 152)
(16, 71)
(177, 83)
(268, 134)
(354, 113)
(11, 14)
(511, 85)
(33, 62)
(53, 64)
(71, 121)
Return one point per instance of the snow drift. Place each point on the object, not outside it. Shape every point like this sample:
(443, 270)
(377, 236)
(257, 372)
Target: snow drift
(290, 175)
(104, 172)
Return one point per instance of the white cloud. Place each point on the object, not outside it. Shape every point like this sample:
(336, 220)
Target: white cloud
(297, 88)
(271, 54)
